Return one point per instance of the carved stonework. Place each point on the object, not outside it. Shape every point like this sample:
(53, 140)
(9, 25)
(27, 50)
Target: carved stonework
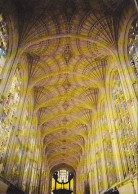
(67, 54)
(67, 84)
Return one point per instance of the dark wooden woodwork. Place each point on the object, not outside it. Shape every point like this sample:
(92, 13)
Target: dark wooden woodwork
(62, 191)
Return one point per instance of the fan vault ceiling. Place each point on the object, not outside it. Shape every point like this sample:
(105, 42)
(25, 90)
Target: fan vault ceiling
(67, 44)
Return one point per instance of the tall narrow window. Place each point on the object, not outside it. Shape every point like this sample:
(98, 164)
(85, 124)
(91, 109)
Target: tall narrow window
(125, 132)
(133, 46)
(62, 182)
(108, 149)
(8, 118)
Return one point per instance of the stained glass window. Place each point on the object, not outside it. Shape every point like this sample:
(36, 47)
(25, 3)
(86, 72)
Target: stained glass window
(108, 149)
(124, 129)
(133, 46)
(8, 119)
(3, 41)
(63, 176)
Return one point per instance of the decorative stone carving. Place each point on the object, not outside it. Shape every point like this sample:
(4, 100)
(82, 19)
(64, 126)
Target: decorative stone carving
(67, 54)
(67, 84)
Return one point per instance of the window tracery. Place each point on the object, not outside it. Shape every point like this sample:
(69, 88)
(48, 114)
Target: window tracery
(124, 129)
(133, 46)
(63, 176)
(3, 41)
(8, 118)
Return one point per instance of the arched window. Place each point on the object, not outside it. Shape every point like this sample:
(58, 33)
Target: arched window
(62, 182)
(3, 42)
(124, 129)
(133, 45)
